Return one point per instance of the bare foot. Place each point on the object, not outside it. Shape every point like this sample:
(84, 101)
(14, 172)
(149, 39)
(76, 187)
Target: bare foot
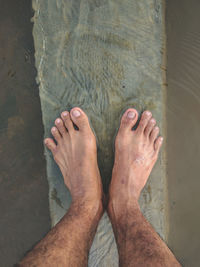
(76, 155)
(135, 155)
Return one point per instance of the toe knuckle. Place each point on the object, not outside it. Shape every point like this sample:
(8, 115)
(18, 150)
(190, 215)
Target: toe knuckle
(142, 123)
(124, 121)
(56, 157)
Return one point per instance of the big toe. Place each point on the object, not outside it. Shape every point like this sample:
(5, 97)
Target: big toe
(80, 119)
(128, 120)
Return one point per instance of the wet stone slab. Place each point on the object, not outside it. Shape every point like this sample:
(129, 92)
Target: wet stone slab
(103, 56)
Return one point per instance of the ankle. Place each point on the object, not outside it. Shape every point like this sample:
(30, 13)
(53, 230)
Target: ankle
(88, 208)
(120, 208)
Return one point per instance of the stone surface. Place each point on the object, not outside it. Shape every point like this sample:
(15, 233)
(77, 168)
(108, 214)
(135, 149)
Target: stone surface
(103, 56)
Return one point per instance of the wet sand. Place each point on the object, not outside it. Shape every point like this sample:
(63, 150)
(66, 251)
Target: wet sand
(183, 117)
(23, 184)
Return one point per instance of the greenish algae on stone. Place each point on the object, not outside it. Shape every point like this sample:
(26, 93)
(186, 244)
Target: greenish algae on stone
(103, 56)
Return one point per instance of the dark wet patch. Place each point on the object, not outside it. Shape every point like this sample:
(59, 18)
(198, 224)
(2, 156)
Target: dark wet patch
(54, 196)
(24, 189)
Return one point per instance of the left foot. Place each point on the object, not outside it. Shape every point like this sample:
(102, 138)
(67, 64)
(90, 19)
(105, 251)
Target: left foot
(76, 155)
(136, 152)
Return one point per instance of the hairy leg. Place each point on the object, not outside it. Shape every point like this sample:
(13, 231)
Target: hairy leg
(68, 243)
(135, 155)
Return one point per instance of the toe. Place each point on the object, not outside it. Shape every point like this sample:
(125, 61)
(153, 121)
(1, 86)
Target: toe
(128, 120)
(80, 119)
(50, 144)
(56, 134)
(146, 116)
(60, 126)
(149, 127)
(154, 133)
(158, 143)
(67, 121)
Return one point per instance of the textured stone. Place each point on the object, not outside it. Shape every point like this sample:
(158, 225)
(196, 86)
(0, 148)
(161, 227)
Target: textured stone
(103, 56)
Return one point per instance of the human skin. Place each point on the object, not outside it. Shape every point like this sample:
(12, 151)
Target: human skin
(135, 155)
(68, 243)
(136, 152)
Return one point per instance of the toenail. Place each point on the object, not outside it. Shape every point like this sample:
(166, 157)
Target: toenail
(148, 113)
(131, 115)
(46, 141)
(153, 121)
(161, 139)
(58, 121)
(76, 113)
(53, 129)
(65, 114)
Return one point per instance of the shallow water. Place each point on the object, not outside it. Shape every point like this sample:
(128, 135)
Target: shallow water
(183, 118)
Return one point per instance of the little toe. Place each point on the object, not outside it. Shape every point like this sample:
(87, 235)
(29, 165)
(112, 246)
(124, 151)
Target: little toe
(60, 126)
(80, 119)
(158, 143)
(146, 116)
(67, 121)
(50, 144)
(154, 134)
(56, 134)
(128, 120)
(149, 127)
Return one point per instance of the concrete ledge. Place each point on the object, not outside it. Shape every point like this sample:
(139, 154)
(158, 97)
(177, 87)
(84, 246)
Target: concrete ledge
(103, 56)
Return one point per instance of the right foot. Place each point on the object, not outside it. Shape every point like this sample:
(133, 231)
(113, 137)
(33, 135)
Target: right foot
(76, 155)
(136, 153)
